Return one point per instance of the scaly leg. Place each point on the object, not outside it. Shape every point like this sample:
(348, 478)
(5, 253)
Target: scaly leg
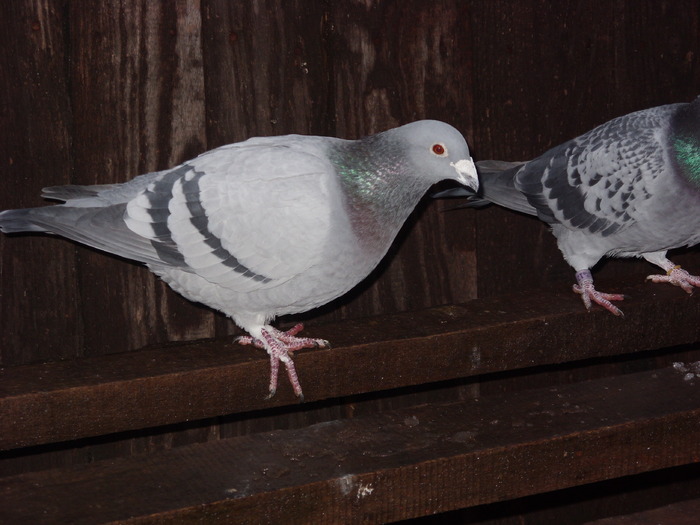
(674, 274)
(589, 294)
(280, 345)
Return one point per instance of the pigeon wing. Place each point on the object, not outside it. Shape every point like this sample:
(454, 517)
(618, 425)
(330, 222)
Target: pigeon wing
(243, 216)
(599, 181)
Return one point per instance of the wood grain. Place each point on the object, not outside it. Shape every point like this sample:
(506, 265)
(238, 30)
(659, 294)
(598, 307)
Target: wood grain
(99, 93)
(39, 301)
(138, 94)
(386, 467)
(102, 395)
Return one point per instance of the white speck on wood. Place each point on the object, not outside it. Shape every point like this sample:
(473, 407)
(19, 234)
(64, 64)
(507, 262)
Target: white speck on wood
(364, 490)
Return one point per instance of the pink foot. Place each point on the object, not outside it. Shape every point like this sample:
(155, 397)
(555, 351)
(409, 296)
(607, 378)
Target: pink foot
(280, 345)
(678, 277)
(589, 294)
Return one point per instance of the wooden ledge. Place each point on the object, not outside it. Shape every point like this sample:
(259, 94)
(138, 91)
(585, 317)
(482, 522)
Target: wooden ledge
(63, 401)
(681, 513)
(389, 466)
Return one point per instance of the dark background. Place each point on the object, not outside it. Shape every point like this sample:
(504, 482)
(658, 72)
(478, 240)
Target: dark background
(101, 92)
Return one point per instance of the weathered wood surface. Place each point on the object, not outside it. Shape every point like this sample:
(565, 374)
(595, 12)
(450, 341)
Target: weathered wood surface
(683, 513)
(385, 467)
(101, 395)
(101, 93)
(39, 299)
(138, 102)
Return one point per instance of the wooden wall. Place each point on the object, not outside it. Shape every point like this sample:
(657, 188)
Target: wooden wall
(100, 92)
(103, 92)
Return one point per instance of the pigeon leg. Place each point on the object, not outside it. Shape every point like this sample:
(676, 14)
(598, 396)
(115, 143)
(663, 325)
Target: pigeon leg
(280, 352)
(248, 340)
(295, 343)
(589, 294)
(674, 274)
(280, 345)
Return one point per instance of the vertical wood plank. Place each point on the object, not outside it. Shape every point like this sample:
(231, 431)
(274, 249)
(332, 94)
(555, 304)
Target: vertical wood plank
(266, 69)
(552, 71)
(138, 86)
(394, 63)
(38, 295)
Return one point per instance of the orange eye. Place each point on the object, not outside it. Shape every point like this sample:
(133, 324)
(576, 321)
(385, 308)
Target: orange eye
(438, 149)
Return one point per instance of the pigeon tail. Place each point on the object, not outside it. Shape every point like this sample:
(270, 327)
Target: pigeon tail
(498, 182)
(496, 185)
(17, 221)
(100, 228)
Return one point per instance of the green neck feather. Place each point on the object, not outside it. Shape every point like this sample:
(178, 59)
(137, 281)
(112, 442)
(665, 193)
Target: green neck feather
(687, 152)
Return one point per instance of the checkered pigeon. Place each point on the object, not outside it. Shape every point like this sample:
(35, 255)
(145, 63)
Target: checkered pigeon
(628, 188)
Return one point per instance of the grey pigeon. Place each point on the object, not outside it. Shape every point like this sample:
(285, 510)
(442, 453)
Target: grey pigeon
(628, 188)
(265, 227)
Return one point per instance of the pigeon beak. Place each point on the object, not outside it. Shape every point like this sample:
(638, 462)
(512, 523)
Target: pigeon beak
(466, 173)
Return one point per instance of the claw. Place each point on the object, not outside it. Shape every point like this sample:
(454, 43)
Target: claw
(678, 277)
(280, 346)
(590, 295)
(248, 340)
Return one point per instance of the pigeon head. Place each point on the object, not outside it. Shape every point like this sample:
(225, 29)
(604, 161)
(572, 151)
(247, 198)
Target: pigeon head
(437, 151)
(389, 172)
(383, 176)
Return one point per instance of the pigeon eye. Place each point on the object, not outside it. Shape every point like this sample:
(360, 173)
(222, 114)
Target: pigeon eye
(439, 150)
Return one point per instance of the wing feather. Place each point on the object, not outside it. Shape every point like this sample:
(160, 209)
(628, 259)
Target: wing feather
(599, 181)
(243, 216)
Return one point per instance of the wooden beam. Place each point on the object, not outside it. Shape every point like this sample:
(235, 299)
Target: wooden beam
(681, 513)
(100, 395)
(389, 466)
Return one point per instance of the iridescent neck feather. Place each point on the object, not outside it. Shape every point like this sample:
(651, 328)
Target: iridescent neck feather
(378, 186)
(685, 141)
(687, 150)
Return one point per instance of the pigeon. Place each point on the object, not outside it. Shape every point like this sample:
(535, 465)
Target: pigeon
(627, 188)
(264, 227)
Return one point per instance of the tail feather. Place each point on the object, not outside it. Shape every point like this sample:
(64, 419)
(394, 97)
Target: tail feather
(497, 179)
(17, 221)
(474, 200)
(100, 195)
(73, 191)
(100, 228)
(496, 166)
(496, 185)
